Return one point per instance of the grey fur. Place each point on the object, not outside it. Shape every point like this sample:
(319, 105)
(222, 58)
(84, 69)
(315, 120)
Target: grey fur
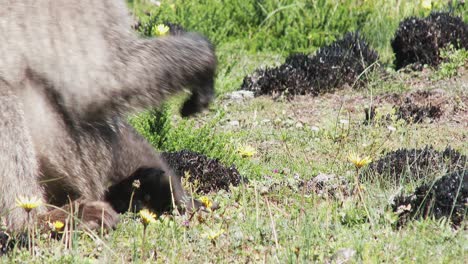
(68, 70)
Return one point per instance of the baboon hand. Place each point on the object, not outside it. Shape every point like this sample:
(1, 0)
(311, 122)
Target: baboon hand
(197, 102)
(202, 81)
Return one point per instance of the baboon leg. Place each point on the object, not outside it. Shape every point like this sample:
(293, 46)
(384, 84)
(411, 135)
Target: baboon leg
(83, 214)
(19, 169)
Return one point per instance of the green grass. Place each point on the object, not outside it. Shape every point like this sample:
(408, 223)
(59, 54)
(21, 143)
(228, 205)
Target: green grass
(285, 26)
(271, 219)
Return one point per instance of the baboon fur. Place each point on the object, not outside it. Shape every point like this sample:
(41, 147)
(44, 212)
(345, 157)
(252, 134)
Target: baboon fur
(69, 72)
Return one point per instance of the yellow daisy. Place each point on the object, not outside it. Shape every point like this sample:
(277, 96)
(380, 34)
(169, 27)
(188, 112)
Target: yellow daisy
(58, 225)
(246, 151)
(358, 161)
(160, 30)
(212, 235)
(28, 203)
(147, 217)
(206, 202)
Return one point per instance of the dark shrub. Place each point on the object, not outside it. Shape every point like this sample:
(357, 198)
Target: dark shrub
(418, 41)
(446, 197)
(413, 164)
(329, 68)
(210, 174)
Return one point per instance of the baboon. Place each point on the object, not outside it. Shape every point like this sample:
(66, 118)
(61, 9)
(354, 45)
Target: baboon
(69, 72)
(131, 158)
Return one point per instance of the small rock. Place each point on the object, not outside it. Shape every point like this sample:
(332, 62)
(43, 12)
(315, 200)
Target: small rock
(315, 128)
(343, 255)
(156, 3)
(323, 178)
(234, 123)
(263, 190)
(240, 95)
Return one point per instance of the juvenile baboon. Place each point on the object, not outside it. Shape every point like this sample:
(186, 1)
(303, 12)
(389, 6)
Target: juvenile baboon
(69, 69)
(132, 158)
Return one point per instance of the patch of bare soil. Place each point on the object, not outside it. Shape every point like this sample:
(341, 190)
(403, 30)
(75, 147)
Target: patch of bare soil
(423, 106)
(208, 175)
(327, 185)
(323, 185)
(428, 106)
(425, 102)
(313, 110)
(445, 197)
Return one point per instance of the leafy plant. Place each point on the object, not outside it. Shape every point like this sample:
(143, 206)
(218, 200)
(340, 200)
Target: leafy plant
(166, 135)
(453, 59)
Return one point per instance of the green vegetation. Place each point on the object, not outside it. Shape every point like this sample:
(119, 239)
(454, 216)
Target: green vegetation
(273, 219)
(285, 26)
(454, 60)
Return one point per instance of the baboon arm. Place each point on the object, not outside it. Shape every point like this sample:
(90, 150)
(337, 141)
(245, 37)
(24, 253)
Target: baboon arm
(19, 170)
(88, 57)
(150, 70)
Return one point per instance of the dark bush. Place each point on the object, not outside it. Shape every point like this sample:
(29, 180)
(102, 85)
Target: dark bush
(210, 174)
(412, 164)
(419, 40)
(446, 197)
(329, 68)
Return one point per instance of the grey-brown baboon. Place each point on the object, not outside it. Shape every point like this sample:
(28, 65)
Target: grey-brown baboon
(69, 69)
(131, 158)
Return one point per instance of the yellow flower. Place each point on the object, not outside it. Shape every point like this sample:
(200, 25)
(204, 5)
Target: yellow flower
(28, 203)
(358, 161)
(160, 30)
(246, 151)
(58, 225)
(206, 202)
(212, 235)
(426, 4)
(147, 217)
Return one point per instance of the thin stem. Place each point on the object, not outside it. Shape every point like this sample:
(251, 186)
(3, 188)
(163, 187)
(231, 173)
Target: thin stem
(29, 234)
(275, 235)
(172, 193)
(143, 243)
(131, 200)
(361, 198)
